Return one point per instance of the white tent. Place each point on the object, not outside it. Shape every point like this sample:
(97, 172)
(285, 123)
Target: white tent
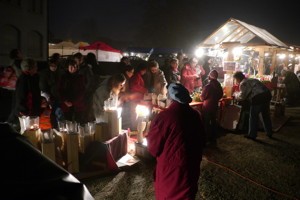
(63, 48)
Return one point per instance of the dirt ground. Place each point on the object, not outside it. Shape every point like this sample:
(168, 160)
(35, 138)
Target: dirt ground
(238, 169)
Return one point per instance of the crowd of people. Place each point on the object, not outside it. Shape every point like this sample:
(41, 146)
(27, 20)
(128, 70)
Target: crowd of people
(71, 89)
(75, 91)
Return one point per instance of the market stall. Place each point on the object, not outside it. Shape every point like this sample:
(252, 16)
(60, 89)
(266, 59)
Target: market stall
(238, 46)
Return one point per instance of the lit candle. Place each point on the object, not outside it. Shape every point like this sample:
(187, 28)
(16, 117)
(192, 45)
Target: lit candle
(141, 111)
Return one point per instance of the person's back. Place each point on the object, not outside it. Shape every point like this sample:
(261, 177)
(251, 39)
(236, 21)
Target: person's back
(211, 94)
(176, 139)
(255, 91)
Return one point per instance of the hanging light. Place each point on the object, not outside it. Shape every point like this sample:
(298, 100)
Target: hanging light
(199, 52)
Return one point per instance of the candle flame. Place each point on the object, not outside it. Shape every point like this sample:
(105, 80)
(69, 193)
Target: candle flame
(141, 111)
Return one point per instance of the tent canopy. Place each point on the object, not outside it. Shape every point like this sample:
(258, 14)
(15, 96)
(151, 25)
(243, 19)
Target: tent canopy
(63, 44)
(237, 31)
(100, 46)
(81, 44)
(153, 50)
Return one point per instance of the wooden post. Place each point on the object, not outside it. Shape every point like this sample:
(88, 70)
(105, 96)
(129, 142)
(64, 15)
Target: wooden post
(101, 132)
(72, 153)
(84, 142)
(261, 61)
(48, 149)
(230, 57)
(33, 136)
(274, 60)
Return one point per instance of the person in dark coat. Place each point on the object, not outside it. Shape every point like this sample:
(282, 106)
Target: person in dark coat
(259, 97)
(49, 79)
(71, 93)
(172, 72)
(292, 87)
(28, 93)
(176, 138)
(90, 79)
(206, 67)
(211, 94)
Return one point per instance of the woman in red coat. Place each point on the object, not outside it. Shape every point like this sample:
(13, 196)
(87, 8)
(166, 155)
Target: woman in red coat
(189, 76)
(176, 139)
(137, 84)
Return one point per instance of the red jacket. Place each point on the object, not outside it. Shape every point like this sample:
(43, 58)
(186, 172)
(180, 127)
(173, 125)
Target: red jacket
(188, 77)
(137, 83)
(211, 94)
(45, 119)
(176, 139)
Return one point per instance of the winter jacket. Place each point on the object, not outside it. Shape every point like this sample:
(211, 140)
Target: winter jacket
(137, 84)
(176, 139)
(211, 94)
(156, 83)
(72, 88)
(28, 95)
(254, 91)
(188, 77)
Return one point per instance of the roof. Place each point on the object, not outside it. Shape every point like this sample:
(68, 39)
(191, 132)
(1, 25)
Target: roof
(237, 31)
(63, 44)
(100, 46)
(153, 50)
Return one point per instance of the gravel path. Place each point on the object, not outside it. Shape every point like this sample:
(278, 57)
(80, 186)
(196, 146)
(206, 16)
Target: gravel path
(272, 164)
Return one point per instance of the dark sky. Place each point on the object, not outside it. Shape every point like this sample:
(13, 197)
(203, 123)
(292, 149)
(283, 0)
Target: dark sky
(166, 23)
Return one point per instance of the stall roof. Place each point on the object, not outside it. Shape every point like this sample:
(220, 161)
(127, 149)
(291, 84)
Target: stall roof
(153, 50)
(237, 31)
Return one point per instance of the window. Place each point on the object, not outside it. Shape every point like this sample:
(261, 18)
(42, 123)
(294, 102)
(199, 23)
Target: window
(35, 44)
(35, 6)
(10, 39)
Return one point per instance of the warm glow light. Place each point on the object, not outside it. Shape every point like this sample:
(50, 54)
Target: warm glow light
(34, 127)
(131, 148)
(282, 56)
(237, 51)
(145, 143)
(199, 52)
(141, 111)
(225, 54)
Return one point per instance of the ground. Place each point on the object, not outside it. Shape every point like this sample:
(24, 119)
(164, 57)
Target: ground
(237, 169)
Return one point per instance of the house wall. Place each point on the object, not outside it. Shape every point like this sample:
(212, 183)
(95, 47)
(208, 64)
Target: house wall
(24, 26)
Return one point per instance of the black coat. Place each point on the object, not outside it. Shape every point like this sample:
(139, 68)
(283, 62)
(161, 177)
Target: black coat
(28, 95)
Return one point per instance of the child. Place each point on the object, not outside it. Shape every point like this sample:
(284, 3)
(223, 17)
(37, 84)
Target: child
(45, 117)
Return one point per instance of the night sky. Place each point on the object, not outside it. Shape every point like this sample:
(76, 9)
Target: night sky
(166, 23)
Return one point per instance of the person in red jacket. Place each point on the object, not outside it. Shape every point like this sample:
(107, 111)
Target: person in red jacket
(137, 84)
(211, 94)
(176, 138)
(45, 117)
(189, 75)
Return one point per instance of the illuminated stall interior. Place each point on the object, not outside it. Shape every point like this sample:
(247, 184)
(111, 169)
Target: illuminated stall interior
(255, 50)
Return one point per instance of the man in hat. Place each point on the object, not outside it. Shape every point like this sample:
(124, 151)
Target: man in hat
(176, 139)
(211, 94)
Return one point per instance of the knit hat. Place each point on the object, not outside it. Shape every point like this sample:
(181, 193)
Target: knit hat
(179, 93)
(213, 74)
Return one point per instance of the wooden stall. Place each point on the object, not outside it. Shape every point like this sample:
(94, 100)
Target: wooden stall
(249, 49)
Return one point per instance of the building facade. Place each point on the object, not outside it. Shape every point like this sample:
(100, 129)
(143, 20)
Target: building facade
(24, 26)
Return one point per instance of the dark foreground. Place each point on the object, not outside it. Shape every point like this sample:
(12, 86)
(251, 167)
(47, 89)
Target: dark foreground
(238, 169)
